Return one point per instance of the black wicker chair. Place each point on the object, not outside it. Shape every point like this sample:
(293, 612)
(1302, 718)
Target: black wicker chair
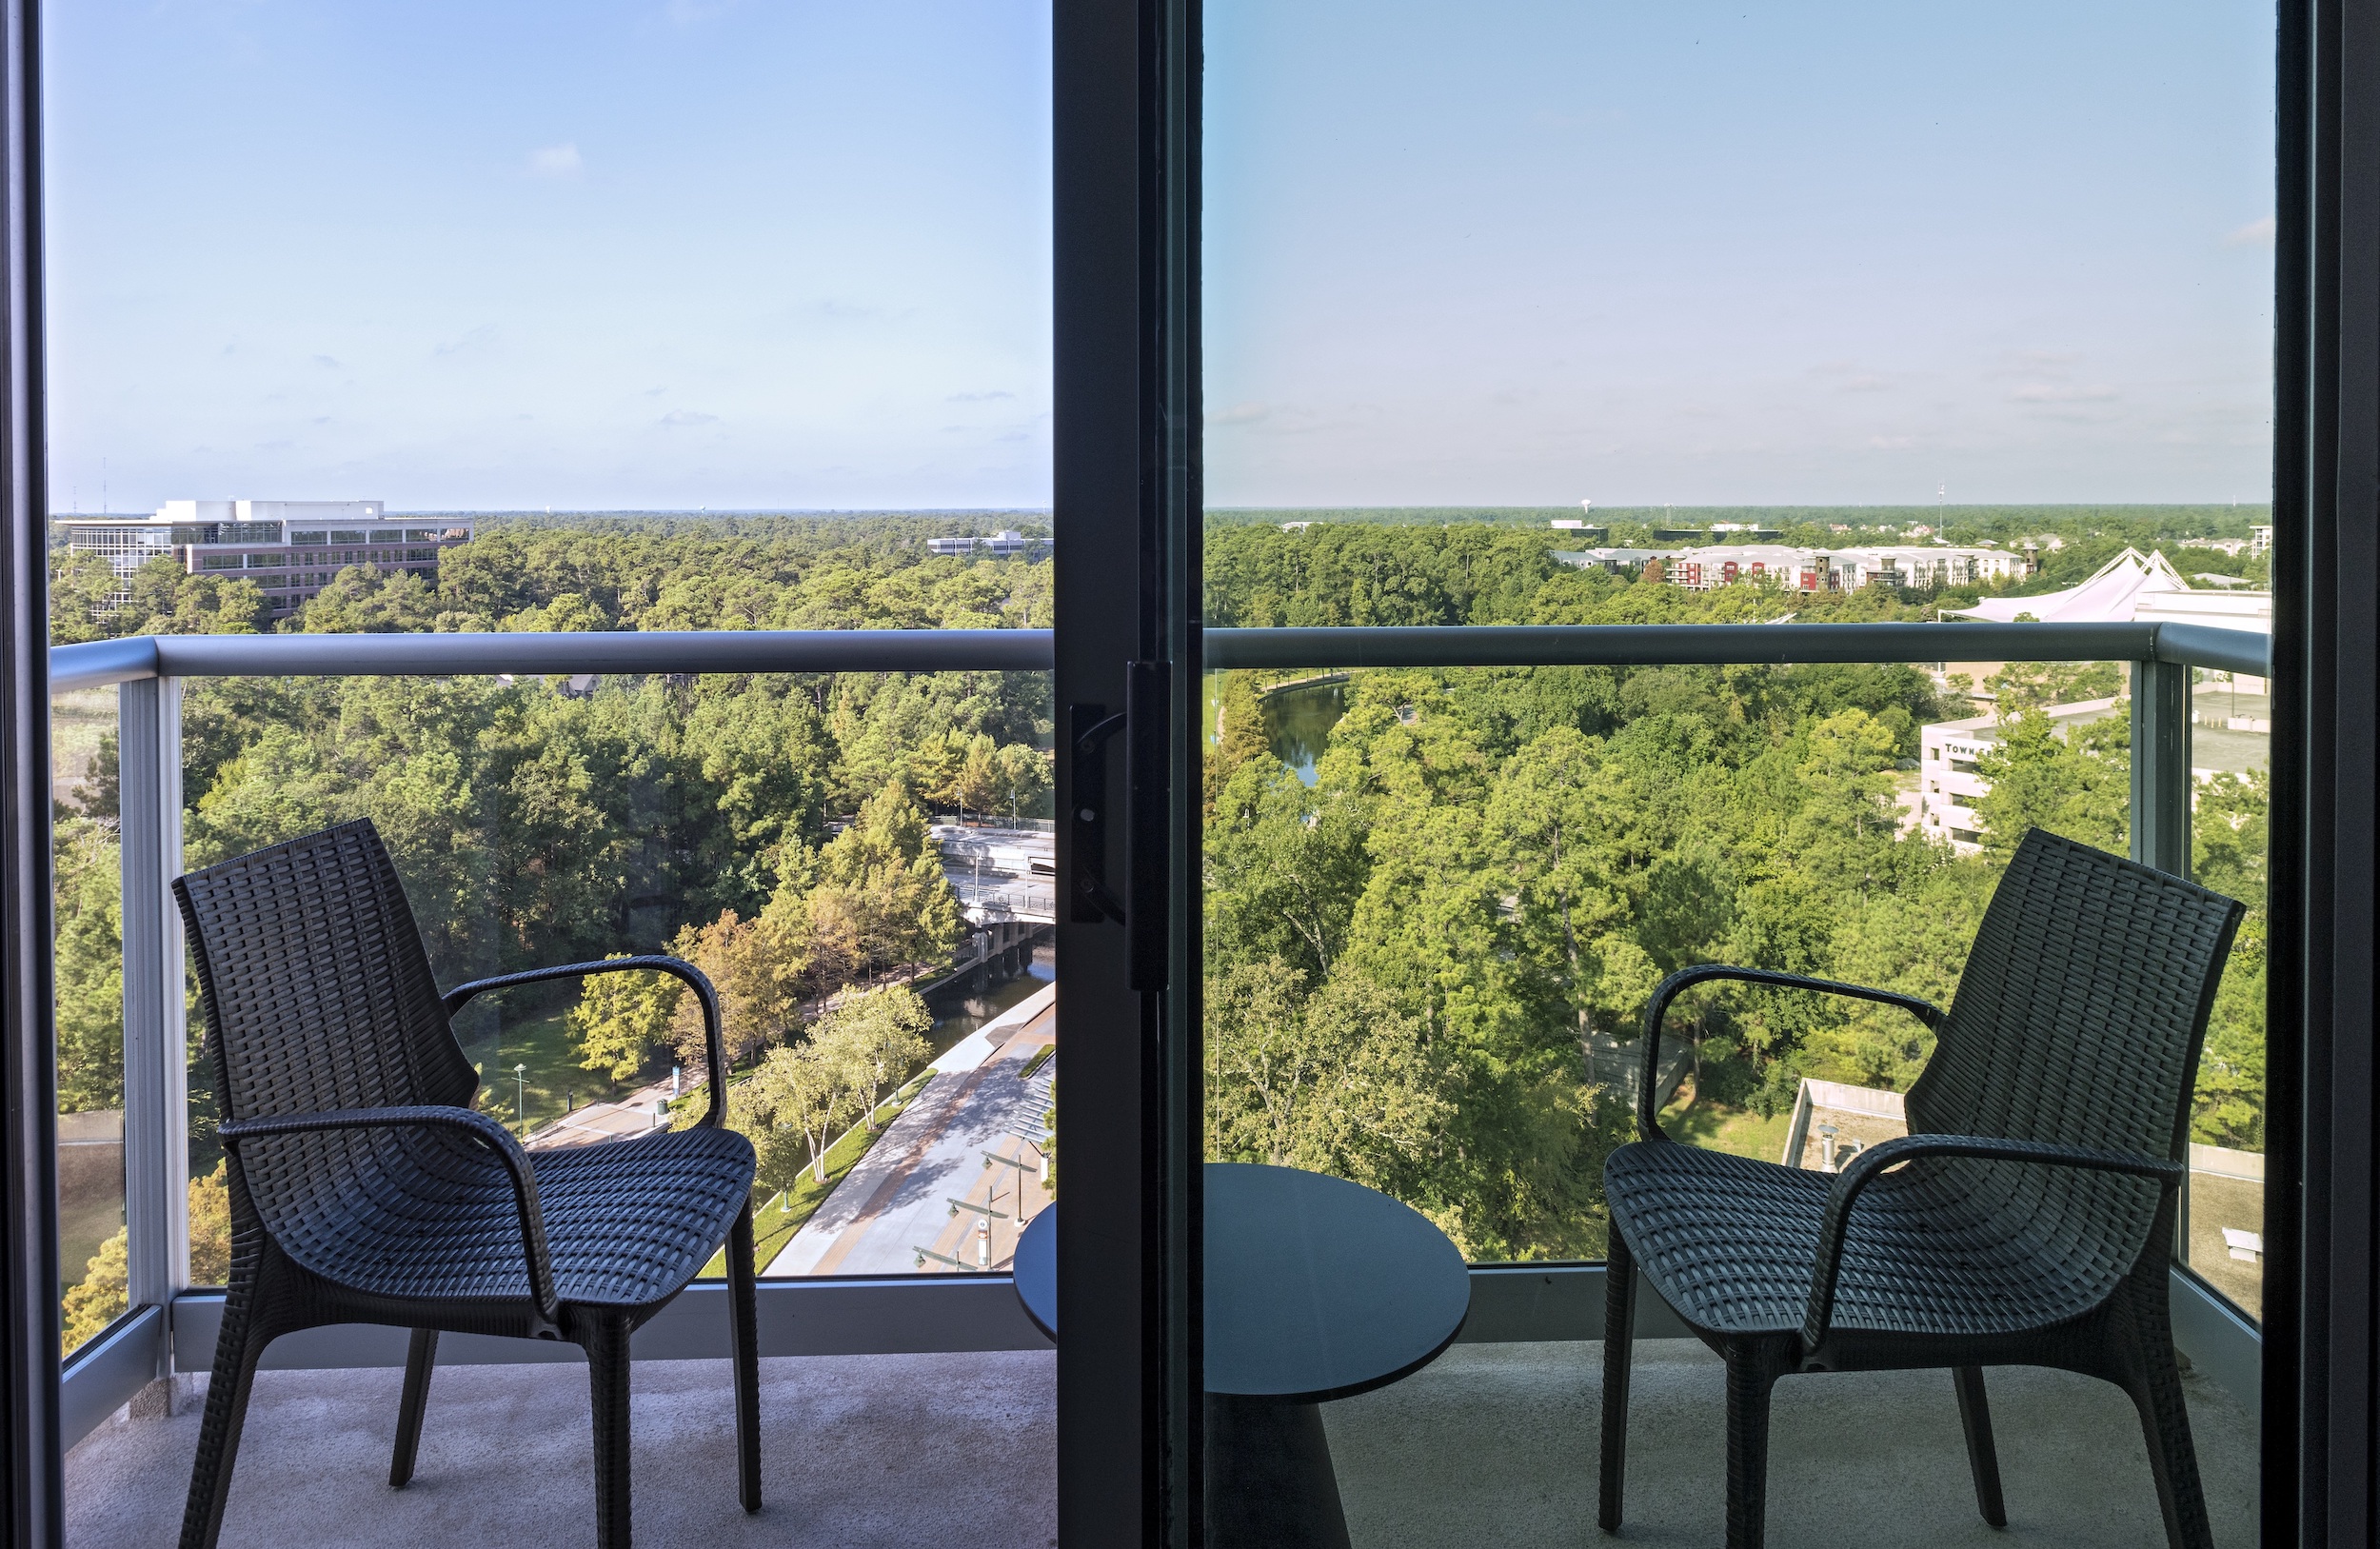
(364, 1189)
(2027, 1219)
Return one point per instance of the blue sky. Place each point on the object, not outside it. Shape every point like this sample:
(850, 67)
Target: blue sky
(486, 255)
(1693, 252)
(796, 254)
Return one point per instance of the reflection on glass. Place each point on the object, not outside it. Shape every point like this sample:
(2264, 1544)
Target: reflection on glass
(88, 962)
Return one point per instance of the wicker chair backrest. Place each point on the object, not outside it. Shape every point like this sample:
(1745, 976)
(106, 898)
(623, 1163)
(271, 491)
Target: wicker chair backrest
(2083, 1005)
(317, 992)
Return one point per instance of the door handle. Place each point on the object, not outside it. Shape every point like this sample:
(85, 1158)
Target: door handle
(1143, 725)
(1091, 900)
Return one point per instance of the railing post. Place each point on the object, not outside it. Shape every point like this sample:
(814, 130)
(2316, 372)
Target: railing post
(156, 1108)
(2161, 784)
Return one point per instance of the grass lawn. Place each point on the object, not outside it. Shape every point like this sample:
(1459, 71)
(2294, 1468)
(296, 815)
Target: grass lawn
(775, 1222)
(1716, 1126)
(553, 1076)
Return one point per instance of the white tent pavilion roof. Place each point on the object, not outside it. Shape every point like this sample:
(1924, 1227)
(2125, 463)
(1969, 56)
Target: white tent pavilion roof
(2111, 595)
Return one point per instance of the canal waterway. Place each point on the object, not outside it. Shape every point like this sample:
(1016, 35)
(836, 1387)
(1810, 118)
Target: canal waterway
(1297, 724)
(955, 1015)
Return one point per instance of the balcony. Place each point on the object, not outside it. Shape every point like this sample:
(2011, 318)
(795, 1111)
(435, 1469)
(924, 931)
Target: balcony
(1495, 1444)
(911, 1407)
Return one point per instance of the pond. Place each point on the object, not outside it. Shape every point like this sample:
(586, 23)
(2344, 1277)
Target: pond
(1298, 724)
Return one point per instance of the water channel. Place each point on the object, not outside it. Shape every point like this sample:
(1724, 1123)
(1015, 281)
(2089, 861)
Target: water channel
(1297, 723)
(957, 1015)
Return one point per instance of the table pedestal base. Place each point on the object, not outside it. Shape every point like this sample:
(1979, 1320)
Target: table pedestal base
(1269, 1481)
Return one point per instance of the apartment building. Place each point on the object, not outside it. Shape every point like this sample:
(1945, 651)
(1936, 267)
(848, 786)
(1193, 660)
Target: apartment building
(1923, 566)
(1949, 784)
(288, 549)
(1809, 570)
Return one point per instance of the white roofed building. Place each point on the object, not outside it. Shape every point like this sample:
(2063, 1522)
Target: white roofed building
(2110, 596)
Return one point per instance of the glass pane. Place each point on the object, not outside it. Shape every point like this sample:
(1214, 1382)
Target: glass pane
(1604, 316)
(862, 863)
(88, 895)
(777, 357)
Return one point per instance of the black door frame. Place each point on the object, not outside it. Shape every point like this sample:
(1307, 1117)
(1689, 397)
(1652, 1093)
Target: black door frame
(2320, 1386)
(31, 1512)
(1126, 514)
(1127, 502)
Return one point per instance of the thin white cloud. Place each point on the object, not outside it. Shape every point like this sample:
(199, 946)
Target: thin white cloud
(977, 397)
(477, 341)
(556, 161)
(1240, 414)
(2254, 234)
(2045, 392)
(682, 417)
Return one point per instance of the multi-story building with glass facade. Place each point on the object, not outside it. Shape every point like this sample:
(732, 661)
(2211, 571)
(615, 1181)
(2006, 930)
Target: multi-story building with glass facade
(289, 548)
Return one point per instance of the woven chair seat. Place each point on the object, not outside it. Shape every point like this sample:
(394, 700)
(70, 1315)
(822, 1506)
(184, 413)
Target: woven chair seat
(1732, 1243)
(627, 1223)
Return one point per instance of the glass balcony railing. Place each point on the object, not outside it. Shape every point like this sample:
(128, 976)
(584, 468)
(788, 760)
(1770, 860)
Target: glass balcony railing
(590, 803)
(874, 903)
(1445, 866)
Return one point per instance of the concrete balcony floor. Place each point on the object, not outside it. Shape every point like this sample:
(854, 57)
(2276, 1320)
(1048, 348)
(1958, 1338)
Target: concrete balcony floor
(1492, 1445)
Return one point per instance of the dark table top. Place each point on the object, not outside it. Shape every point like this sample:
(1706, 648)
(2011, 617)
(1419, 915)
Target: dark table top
(1315, 1288)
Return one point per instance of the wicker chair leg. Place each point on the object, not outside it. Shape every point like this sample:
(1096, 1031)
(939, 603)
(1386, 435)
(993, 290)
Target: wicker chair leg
(2156, 1390)
(1619, 1335)
(239, 1343)
(1752, 1368)
(743, 1319)
(1983, 1459)
(421, 1359)
(606, 1345)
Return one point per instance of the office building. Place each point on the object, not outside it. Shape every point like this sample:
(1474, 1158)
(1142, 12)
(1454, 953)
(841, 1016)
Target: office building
(1005, 545)
(288, 549)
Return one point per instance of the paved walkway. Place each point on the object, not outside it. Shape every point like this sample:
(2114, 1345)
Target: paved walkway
(595, 1122)
(897, 1202)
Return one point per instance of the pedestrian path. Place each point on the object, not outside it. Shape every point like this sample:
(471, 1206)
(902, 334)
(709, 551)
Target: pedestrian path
(897, 1205)
(596, 1122)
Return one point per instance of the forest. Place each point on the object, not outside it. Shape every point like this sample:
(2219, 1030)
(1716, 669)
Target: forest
(1402, 956)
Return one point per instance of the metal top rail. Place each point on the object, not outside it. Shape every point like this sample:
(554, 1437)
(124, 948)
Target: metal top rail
(98, 664)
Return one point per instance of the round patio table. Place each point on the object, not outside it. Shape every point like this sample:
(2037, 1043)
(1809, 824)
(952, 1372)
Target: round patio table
(1316, 1289)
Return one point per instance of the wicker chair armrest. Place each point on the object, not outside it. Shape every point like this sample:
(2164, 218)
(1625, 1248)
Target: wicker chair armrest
(1835, 1225)
(1648, 1125)
(714, 1037)
(476, 1125)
